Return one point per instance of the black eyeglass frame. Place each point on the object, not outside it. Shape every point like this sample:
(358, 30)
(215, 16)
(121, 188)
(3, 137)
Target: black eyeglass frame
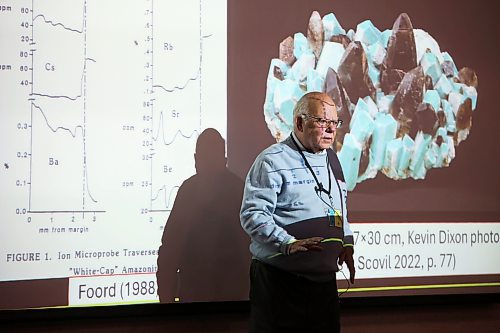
(323, 122)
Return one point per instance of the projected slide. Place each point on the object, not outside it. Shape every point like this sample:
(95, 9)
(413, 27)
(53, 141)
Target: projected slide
(417, 100)
(406, 108)
(101, 105)
(117, 119)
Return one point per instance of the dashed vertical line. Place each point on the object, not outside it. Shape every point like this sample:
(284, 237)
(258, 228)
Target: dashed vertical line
(200, 68)
(152, 105)
(32, 51)
(84, 106)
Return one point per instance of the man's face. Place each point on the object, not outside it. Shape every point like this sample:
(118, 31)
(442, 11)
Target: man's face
(313, 136)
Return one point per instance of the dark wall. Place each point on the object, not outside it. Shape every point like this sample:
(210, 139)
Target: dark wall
(460, 315)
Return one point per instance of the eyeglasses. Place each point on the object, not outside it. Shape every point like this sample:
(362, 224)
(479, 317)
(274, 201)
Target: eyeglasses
(323, 122)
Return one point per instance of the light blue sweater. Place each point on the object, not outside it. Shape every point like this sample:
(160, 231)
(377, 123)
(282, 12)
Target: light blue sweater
(280, 204)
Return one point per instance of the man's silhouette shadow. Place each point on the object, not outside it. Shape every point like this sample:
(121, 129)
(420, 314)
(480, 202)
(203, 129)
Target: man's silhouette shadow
(204, 254)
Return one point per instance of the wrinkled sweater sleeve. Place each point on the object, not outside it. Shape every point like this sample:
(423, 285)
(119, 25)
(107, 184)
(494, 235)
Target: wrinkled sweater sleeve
(262, 187)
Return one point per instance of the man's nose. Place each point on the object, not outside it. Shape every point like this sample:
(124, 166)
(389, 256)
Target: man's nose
(330, 128)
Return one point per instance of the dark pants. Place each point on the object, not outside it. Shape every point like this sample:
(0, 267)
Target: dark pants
(283, 302)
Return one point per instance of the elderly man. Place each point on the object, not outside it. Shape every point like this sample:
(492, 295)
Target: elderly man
(294, 210)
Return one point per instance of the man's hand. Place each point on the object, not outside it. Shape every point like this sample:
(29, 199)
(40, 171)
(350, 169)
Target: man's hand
(347, 256)
(306, 244)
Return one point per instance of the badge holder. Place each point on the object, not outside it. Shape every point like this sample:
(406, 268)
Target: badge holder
(334, 218)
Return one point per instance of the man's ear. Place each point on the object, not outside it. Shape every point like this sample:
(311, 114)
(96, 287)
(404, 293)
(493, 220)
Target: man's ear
(300, 123)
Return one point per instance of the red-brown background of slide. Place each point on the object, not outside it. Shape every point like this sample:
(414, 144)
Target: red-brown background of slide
(34, 293)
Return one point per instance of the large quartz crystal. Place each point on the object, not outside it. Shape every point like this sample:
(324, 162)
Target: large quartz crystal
(353, 72)
(315, 34)
(407, 98)
(334, 88)
(404, 104)
(401, 51)
(286, 51)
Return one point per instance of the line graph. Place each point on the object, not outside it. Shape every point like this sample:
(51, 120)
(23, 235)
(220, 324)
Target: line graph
(180, 95)
(79, 95)
(57, 24)
(73, 134)
(160, 133)
(55, 129)
(168, 198)
(189, 80)
(102, 113)
(57, 159)
(64, 61)
(196, 78)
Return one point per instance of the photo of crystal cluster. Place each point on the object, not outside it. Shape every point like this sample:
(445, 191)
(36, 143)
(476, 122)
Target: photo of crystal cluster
(404, 104)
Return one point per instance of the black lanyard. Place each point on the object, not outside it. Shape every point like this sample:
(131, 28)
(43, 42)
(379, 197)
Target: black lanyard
(319, 186)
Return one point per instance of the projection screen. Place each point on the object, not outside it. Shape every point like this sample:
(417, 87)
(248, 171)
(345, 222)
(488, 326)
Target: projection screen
(104, 109)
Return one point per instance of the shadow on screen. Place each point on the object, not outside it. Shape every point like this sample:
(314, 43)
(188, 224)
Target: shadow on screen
(204, 254)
